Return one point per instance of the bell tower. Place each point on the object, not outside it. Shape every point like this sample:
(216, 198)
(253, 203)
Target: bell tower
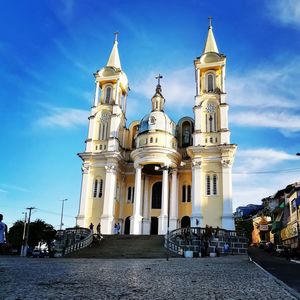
(212, 154)
(106, 131)
(106, 139)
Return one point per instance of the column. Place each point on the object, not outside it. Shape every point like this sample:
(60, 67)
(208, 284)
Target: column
(227, 216)
(96, 99)
(136, 219)
(122, 200)
(163, 218)
(107, 217)
(146, 217)
(80, 219)
(174, 201)
(196, 218)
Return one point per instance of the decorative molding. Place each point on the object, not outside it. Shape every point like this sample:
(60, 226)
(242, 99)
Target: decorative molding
(110, 169)
(226, 163)
(196, 163)
(85, 169)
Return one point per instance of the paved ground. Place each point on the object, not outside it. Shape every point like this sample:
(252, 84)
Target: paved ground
(231, 277)
(280, 267)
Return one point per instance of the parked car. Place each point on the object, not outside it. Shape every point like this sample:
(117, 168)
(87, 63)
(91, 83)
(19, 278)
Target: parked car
(279, 249)
(36, 253)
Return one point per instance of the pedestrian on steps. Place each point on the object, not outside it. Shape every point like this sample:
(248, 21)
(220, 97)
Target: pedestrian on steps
(92, 227)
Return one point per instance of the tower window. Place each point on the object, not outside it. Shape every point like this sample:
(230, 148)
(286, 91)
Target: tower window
(186, 193)
(100, 188)
(208, 185)
(95, 188)
(151, 140)
(210, 82)
(214, 184)
(129, 194)
(108, 95)
(189, 193)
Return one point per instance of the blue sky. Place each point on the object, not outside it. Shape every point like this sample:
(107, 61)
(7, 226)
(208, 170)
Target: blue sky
(50, 49)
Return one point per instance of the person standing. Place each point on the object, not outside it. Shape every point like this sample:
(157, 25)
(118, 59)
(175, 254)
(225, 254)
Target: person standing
(3, 233)
(118, 228)
(99, 229)
(92, 227)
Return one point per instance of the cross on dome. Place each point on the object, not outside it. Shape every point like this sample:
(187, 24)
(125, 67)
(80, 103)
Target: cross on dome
(210, 21)
(116, 35)
(158, 78)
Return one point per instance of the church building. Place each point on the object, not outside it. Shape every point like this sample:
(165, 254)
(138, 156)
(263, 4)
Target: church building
(156, 174)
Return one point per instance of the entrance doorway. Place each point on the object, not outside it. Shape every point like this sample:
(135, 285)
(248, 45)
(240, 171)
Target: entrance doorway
(127, 226)
(154, 226)
(185, 222)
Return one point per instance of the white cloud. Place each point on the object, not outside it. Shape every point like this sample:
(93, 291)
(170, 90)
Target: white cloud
(286, 12)
(64, 117)
(287, 121)
(258, 173)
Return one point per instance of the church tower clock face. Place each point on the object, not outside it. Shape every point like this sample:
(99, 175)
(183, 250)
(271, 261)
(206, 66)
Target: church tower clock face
(211, 108)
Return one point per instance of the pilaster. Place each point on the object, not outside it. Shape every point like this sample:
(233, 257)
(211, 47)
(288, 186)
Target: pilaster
(163, 218)
(107, 217)
(196, 218)
(174, 201)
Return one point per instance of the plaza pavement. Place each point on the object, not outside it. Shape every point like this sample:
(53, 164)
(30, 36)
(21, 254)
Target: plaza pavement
(230, 277)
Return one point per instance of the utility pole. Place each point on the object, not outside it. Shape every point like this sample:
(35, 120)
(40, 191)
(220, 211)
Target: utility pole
(27, 231)
(24, 233)
(62, 213)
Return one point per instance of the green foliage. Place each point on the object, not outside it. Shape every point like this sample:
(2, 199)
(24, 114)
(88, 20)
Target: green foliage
(245, 226)
(39, 230)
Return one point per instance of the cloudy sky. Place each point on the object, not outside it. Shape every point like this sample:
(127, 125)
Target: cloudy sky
(50, 49)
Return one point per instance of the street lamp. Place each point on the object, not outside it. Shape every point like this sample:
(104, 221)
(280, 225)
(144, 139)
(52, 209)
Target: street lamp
(62, 213)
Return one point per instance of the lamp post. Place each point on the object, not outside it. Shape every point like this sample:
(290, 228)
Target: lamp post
(62, 213)
(24, 234)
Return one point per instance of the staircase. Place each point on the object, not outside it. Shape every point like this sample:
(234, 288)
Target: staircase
(124, 246)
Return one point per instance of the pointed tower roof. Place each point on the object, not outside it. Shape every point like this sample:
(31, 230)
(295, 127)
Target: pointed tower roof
(114, 58)
(210, 45)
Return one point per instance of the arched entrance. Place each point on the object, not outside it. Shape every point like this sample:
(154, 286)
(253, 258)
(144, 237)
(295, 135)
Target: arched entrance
(185, 222)
(156, 195)
(127, 226)
(154, 226)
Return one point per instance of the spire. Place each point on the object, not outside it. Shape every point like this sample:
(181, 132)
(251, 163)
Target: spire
(158, 99)
(210, 45)
(114, 58)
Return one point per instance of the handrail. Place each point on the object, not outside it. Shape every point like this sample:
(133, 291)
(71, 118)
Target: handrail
(80, 244)
(189, 238)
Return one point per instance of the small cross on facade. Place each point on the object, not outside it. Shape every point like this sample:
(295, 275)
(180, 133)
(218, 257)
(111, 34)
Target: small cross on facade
(210, 21)
(158, 78)
(116, 36)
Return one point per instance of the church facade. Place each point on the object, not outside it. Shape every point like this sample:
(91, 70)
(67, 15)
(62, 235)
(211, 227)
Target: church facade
(155, 173)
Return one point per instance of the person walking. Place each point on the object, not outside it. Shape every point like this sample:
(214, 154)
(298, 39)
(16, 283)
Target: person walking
(99, 229)
(3, 234)
(118, 228)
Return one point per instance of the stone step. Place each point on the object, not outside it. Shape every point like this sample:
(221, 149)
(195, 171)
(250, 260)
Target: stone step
(123, 246)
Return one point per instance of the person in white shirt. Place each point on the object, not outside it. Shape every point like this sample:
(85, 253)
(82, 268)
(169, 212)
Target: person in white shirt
(3, 231)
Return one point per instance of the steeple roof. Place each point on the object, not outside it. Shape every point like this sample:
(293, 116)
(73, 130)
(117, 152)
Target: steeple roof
(210, 45)
(114, 58)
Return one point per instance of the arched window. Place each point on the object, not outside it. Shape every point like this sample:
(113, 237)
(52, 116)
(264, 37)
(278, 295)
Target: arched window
(184, 193)
(189, 193)
(208, 185)
(156, 195)
(210, 78)
(129, 194)
(151, 140)
(186, 134)
(95, 188)
(108, 94)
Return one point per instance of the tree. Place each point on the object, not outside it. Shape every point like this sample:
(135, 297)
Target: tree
(39, 230)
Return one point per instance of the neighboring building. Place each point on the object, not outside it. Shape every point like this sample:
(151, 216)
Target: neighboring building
(291, 218)
(130, 174)
(250, 209)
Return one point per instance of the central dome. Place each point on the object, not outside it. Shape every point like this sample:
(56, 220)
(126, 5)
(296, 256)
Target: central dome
(157, 121)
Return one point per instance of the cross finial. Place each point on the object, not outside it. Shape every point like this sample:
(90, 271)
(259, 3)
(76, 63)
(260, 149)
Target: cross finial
(116, 36)
(210, 21)
(158, 79)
